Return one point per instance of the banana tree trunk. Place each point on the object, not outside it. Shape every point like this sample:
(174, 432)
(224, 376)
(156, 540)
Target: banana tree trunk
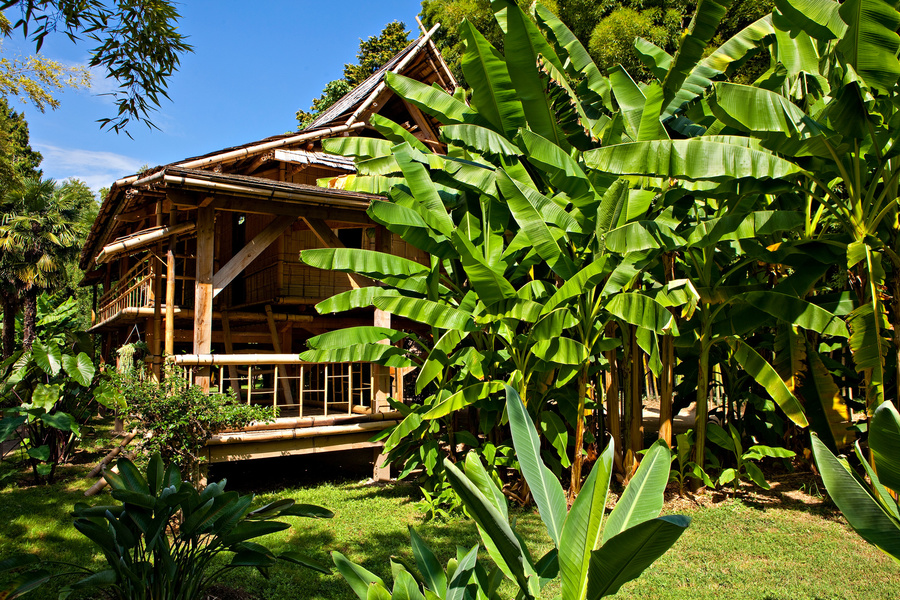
(702, 400)
(895, 323)
(579, 432)
(666, 389)
(636, 402)
(613, 417)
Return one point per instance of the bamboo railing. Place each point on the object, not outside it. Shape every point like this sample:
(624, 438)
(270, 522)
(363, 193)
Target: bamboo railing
(135, 290)
(288, 384)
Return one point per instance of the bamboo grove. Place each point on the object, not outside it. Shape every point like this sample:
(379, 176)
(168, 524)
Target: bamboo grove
(593, 239)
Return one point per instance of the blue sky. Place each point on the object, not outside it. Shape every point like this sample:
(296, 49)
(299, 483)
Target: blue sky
(249, 73)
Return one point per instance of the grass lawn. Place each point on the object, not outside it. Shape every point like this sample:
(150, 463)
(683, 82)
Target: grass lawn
(783, 544)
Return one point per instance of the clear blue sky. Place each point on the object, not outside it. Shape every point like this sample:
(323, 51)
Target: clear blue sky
(254, 64)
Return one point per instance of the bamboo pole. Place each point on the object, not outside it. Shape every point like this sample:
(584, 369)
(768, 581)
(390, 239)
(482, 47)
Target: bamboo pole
(140, 240)
(157, 298)
(276, 345)
(298, 433)
(170, 288)
(229, 348)
(112, 454)
(203, 298)
(317, 421)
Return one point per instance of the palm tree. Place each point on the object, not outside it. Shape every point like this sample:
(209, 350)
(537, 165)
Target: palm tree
(38, 234)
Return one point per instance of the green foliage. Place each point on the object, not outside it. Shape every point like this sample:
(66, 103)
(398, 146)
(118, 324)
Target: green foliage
(373, 54)
(683, 468)
(873, 511)
(744, 465)
(137, 44)
(160, 541)
(612, 39)
(48, 391)
(180, 417)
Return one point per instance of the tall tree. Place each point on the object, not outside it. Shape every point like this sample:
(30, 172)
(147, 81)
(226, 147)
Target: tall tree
(39, 233)
(373, 54)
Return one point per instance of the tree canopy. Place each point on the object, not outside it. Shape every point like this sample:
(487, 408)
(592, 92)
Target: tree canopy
(373, 54)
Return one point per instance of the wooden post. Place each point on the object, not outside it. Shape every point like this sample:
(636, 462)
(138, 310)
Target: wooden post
(276, 345)
(381, 376)
(170, 288)
(203, 290)
(93, 305)
(156, 270)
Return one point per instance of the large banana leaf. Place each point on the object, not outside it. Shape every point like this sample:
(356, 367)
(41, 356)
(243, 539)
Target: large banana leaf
(358, 577)
(655, 58)
(463, 398)
(392, 270)
(825, 408)
(579, 63)
(869, 346)
(638, 236)
(871, 43)
(755, 110)
(581, 533)
(700, 32)
(522, 45)
(423, 190)
(491, 522)
(426, 311)
(532, 223)
(727, 58)
(355, 335)
(544, 486)
(742, 227)
(689, 159)
(818, 18)
(358, 147)
(394, 132)
(565, 173)
(864, 513)
(493, 94)
(625, 556)
(796, 311)
(643, 311)
(884, 442)
(629, 97)
(429, 566)
(431, 100)
(561, 351)
(479, 139)
(376, 353)
(643, 496)
(651, 128)
(411, 227)
(757, 367)
(357, 298)
(491, 285)
(586, 279)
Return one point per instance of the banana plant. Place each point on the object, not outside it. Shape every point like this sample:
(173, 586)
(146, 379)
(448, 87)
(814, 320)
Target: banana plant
(873, 510)
(594, 554)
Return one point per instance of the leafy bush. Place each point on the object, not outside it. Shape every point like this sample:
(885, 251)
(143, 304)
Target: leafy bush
(744, 466)
(49, 391)
(181, 418)
(161, 541)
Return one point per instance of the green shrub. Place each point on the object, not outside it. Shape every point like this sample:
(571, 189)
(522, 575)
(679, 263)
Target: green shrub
(181, 418)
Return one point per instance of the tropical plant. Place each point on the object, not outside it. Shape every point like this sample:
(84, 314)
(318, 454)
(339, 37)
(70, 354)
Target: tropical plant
(49, 391)
(39, 232)
(683, 468)
(162, 539)
(872, 511)
(593, 554)
(744, 466)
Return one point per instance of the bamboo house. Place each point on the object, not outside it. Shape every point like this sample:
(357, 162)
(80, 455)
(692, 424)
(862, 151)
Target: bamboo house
(201, 260)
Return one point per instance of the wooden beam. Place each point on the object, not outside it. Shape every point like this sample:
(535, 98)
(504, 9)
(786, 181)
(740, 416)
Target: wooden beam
(156, 346)
(381, 376)
(330, 240)
(203, 287)
(290, 209)
(248, 253)
(276, 345)
(422, 121)
(140, 240)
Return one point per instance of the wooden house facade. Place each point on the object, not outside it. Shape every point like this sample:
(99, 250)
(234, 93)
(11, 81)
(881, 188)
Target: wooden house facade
(201, 260)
